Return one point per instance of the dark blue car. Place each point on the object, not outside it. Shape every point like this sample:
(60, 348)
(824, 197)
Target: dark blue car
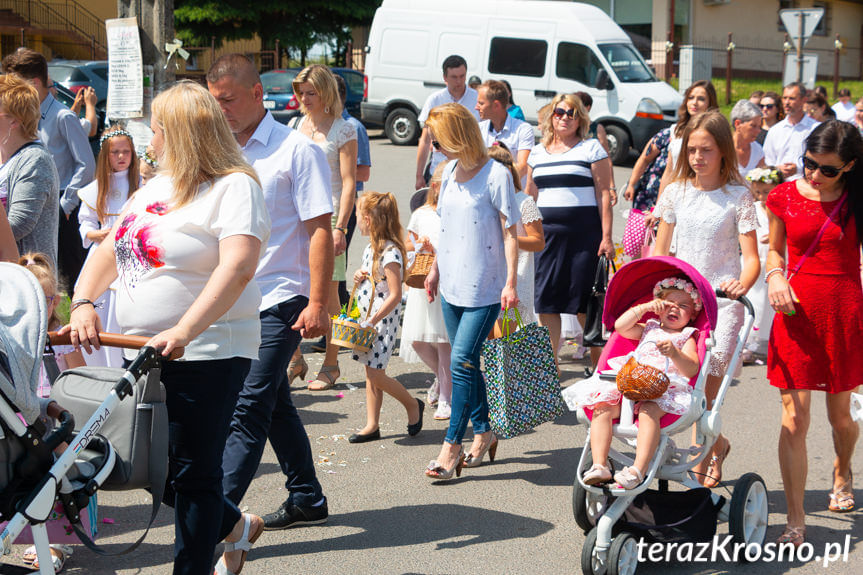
(279, 92)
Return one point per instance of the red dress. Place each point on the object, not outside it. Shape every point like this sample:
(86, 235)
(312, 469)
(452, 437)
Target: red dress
(818, 348)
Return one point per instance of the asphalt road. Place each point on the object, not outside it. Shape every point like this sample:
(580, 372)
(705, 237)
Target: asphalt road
(513, 516)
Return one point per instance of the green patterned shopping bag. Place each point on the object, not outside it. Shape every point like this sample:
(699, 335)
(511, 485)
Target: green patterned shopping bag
(521, 379)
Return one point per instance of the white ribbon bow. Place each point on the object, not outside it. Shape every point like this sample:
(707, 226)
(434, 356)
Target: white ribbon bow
(175, 47)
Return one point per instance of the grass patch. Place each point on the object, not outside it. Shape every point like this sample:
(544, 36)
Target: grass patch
(741, 88)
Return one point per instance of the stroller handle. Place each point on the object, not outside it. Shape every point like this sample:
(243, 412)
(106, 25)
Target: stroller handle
(720, 293)
(112, 340)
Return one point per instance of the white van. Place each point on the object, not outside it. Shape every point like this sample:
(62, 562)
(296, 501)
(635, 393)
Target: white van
(542, 48)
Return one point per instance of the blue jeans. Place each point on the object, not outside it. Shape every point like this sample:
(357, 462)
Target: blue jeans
(265, 410)
(200, 396)
(467, 328)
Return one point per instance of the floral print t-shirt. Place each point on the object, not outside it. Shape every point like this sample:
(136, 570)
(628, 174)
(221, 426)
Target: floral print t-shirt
(165, 256)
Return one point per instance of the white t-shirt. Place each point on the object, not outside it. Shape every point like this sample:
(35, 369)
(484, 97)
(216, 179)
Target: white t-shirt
(166, 256)
(295, 179)
(471, 255)
(756, 152)
(565, 180)
(845, 112)
(785, 143)
(468, 100)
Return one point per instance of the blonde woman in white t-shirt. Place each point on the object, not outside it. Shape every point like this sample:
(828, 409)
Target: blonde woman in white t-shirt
(185, 251)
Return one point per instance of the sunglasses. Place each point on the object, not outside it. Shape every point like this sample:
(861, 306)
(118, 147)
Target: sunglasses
(767, 106)
(560, 113)
(436, 145)
(826, 171)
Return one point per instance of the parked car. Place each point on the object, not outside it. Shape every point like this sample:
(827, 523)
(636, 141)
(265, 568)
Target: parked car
(279, 96)
(77, 74)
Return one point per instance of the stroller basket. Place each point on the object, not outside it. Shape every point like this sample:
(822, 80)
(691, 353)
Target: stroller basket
(673, 516)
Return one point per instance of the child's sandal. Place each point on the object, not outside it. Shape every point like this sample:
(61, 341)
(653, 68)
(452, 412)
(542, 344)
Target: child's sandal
(597, 475)
(629, 477)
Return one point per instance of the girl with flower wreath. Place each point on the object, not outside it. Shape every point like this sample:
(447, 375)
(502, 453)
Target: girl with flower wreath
(666, 343)
(102, 200)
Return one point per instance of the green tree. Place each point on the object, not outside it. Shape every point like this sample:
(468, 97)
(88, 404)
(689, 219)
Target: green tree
(297, 24)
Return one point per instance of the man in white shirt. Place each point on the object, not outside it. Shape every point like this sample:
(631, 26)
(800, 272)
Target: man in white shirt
(457, 90)
(294, 286)
(844, 108)
(785, 141)
(498, 126)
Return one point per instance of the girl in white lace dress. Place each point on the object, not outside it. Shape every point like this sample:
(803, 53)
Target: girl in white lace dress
(666, 344)
(530, 236)
(711, 211)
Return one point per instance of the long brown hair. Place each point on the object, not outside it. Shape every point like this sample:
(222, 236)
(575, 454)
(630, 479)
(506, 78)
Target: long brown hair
(104, 171)
(384, 226)
(683, 115)
(40, 266)
(715, 124)
(500, 153)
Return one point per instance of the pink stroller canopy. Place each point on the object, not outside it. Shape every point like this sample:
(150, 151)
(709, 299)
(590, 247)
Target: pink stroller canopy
(635, 280)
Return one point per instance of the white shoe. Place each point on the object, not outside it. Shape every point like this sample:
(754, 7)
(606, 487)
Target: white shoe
(434, 392)
(443, 410)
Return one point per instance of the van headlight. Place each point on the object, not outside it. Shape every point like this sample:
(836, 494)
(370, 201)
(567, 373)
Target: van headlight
(648, 108)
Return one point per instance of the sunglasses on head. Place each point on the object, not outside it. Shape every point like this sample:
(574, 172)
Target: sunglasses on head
(560, 113)
(826, 171)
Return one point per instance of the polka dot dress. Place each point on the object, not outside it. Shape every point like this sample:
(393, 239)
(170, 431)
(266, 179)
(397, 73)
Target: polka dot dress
(367, 294)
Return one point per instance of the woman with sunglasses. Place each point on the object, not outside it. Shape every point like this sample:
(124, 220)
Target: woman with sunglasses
(814, 345)
(771, 114)
(570, 178)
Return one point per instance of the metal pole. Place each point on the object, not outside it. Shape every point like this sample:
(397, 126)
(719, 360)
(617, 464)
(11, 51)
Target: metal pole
(802, 18)
(728, 51)
(836, 68)
(278, 55)
(669, 55)
(212, 50)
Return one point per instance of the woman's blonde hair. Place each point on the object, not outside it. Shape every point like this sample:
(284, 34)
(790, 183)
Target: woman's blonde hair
(457, 131)
(199, 146)
(324, 82)
(40, 266)
(21, 101)
(384, 226)
(103, 169)
(500, 153)
(715, 124)
(580, 115)
(434, 185)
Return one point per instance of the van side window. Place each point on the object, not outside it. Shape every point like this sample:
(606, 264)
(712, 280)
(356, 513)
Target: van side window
(517, 57)
(577, 62)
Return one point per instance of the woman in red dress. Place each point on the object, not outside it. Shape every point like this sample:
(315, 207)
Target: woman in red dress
(815, 340)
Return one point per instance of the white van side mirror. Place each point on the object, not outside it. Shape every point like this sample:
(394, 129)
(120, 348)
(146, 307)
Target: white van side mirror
(603, 82)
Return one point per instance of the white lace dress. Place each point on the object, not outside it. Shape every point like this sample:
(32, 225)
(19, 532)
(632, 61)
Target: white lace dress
(676, 398)
(525, 282)
(707, 224)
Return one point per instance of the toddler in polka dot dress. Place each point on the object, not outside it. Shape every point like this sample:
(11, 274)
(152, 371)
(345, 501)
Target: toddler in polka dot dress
(379, 299)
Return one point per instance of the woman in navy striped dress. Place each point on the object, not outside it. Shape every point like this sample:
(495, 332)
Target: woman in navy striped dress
(570, 178)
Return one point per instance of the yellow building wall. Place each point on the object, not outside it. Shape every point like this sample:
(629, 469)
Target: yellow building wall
(103, 9)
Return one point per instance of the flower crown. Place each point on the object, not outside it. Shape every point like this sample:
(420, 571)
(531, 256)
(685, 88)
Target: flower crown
(113, 133)
(682, 285)
(763, 175)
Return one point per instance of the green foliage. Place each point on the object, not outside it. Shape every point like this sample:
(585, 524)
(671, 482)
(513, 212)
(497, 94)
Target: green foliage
(297, 24)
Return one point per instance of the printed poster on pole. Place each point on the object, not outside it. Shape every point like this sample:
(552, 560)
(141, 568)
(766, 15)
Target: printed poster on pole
(125, 69)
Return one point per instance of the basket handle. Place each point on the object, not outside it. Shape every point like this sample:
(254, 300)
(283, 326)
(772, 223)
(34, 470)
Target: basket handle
(352, 298)
(635, 354)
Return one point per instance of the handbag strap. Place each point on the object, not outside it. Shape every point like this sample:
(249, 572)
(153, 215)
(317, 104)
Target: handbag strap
(600, 280)
(508, 335)
(820, 233)
(635, 354)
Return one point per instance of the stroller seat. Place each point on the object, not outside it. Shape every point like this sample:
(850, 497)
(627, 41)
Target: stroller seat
(598, 509)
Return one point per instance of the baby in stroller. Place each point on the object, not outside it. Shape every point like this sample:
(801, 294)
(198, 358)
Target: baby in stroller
(666, 342)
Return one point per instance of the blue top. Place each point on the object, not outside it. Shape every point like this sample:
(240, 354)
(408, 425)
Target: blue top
(62, 134)
(364, 154)
(515, 112)
(471, 256)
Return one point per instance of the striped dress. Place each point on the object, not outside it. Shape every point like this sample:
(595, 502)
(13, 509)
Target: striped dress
(572, 226)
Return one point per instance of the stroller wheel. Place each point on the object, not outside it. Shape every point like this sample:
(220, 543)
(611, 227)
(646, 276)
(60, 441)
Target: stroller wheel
(591, 563)
(747, 515)
(623, 555)
(587, 508)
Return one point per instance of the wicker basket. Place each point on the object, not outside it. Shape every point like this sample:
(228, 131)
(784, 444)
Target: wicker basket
(348, 333)
(640, 382)
(416, 275)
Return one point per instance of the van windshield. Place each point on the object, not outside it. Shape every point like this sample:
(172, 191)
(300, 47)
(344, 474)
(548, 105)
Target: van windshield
(627, 63)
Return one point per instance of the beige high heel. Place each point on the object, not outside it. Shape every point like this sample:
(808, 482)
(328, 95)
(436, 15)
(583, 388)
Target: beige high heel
(476, 461)
(330, 381)
(297, 368)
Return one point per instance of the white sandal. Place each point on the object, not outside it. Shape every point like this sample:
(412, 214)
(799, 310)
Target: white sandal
(629, 477)
(244, 544)
(597, 474)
